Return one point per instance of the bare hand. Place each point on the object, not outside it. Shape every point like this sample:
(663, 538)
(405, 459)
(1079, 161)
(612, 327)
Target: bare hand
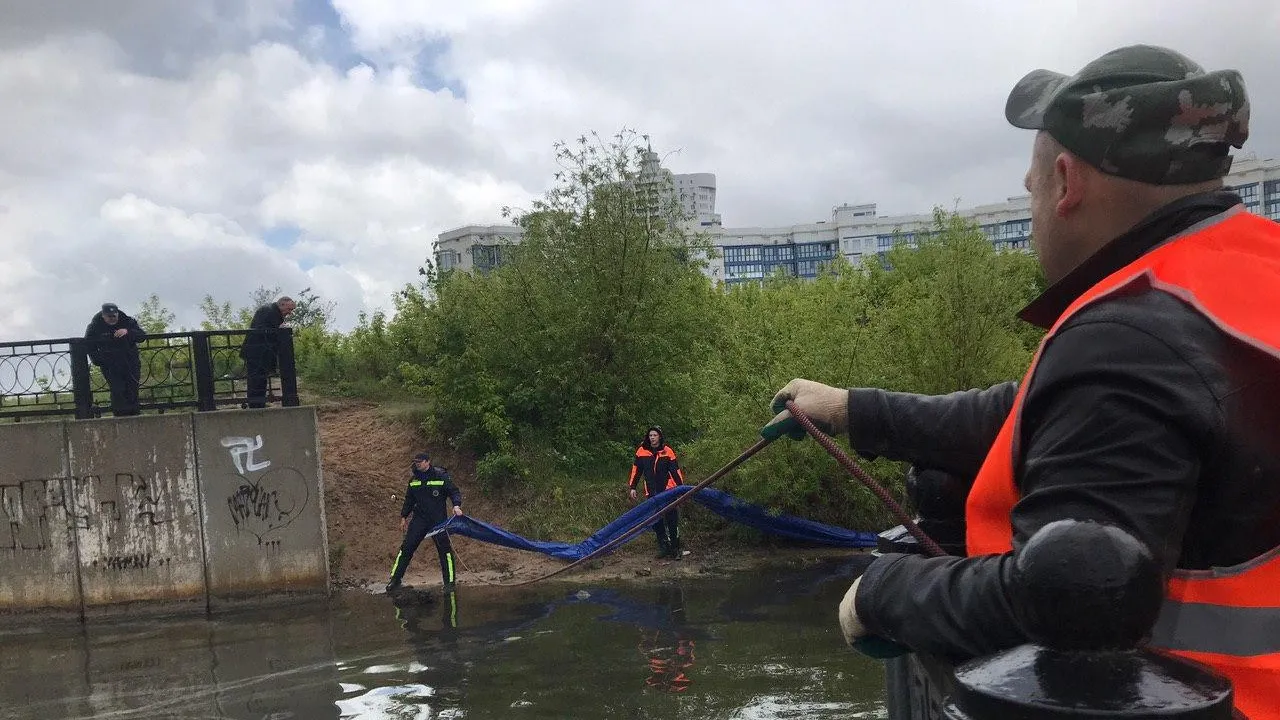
(633, 494)
(404, 524)
(121, 332)
(457, 511)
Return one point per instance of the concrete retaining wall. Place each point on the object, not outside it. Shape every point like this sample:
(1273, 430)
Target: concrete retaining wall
(37, 545)
(192, 510)
(263, 507)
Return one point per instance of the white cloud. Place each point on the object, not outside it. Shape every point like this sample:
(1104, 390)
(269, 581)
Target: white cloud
(152, 147)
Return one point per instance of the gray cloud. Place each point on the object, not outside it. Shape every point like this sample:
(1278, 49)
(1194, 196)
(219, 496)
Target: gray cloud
(147, 145)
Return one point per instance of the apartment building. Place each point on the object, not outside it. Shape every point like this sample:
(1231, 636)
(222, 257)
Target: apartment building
(856, 231)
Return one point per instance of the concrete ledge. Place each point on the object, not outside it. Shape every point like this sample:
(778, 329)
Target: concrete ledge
(179, 513)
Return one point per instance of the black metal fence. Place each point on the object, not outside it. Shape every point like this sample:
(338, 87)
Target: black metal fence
(193, 370)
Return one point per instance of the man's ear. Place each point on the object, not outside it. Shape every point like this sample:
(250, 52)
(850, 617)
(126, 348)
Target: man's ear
(1070, 177)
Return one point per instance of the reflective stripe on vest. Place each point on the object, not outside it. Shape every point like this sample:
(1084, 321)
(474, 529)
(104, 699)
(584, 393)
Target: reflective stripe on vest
(1228, 269)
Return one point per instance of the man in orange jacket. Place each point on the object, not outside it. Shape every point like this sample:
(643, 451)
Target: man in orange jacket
(1153, 404)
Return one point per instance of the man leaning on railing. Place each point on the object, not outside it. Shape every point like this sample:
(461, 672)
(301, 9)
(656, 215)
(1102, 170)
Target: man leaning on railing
(114, 349)
(261, 347)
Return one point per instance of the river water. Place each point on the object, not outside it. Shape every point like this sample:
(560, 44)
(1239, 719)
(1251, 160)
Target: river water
(758, 645)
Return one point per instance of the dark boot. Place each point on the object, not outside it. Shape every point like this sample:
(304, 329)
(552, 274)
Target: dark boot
(664, 546)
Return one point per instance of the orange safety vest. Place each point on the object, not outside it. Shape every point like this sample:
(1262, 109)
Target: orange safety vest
(1227, 618)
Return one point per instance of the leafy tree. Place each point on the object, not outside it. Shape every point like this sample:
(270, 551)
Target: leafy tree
(154, 317)
(549, 366)
(311, 312)
(218, 316)
(593, 328)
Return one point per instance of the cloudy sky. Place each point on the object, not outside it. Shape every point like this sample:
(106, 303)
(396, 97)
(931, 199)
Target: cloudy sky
(215, 146)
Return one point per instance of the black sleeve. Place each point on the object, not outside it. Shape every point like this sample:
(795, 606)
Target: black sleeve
(136, 333)
(259, 321)
(636, 474)
(949, 432)
(407, 508)
(676, 473)
(1112, 426)
(94, 345)
(450, 489)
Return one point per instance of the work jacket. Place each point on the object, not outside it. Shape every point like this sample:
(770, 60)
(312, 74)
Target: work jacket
(1228, 618)
(1150, 406)
(426, 495)
(659, 468)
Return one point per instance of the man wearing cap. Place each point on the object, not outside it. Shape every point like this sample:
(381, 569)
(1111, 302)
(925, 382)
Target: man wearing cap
(113, 347)
(425, 500)
(1151, 405)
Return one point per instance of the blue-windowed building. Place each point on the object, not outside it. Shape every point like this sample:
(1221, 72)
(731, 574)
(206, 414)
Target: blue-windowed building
(855, 231)
(859, 232)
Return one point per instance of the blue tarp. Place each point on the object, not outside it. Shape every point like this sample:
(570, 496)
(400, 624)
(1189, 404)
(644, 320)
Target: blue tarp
(714, 500)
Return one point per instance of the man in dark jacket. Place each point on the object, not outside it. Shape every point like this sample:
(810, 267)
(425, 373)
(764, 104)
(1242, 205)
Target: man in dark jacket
(114, 342)
(425, 500)
(261, 347)
(1152, 404)
(656, 463)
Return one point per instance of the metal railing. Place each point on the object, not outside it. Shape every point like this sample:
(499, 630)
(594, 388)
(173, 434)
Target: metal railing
(199, 370)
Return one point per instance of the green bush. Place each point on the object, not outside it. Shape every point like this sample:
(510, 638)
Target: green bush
(601, 322)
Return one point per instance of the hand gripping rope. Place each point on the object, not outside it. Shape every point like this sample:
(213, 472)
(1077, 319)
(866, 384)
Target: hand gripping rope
(927, 543)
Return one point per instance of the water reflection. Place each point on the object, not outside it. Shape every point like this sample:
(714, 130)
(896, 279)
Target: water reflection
(761, 646)
(279, 665)
(669, 648)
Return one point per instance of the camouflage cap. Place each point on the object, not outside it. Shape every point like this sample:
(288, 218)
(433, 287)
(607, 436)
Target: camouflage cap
(1140, 112)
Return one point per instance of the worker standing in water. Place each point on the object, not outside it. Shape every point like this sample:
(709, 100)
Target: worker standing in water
(425, 499)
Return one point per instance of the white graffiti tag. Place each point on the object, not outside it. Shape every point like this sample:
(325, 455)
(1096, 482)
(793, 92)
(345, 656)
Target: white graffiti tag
(242, 453)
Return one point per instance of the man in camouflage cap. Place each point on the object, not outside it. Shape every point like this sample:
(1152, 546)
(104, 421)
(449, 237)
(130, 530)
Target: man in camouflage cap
(1151, 405)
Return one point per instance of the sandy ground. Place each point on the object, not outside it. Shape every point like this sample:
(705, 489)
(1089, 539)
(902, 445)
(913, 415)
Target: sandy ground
(366, 456)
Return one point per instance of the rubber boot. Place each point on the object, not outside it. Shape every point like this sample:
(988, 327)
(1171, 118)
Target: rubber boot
(664, 548)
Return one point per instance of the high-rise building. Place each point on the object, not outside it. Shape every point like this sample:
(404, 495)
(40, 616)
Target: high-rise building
(480, 248)
(858, 232)
(855, 231)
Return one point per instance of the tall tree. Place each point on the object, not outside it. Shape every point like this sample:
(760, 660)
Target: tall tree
(154, 317)
(594, 326)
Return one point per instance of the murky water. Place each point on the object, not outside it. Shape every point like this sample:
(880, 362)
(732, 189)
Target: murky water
(762, 645)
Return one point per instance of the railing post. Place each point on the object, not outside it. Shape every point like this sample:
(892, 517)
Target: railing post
(81, 380)
(203, 358)
(288, 369)
(1088, 594)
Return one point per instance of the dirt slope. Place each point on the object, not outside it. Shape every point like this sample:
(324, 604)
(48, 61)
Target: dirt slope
(366, 456)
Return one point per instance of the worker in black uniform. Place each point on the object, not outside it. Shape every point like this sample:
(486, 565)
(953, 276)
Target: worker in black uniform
(425, 500)
(261, 348)
(113, 348)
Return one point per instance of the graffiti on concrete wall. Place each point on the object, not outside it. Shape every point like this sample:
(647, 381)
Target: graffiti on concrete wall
(117, 502)
(266, 498)
(126, 506)
(242, 449)
(28, 509)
